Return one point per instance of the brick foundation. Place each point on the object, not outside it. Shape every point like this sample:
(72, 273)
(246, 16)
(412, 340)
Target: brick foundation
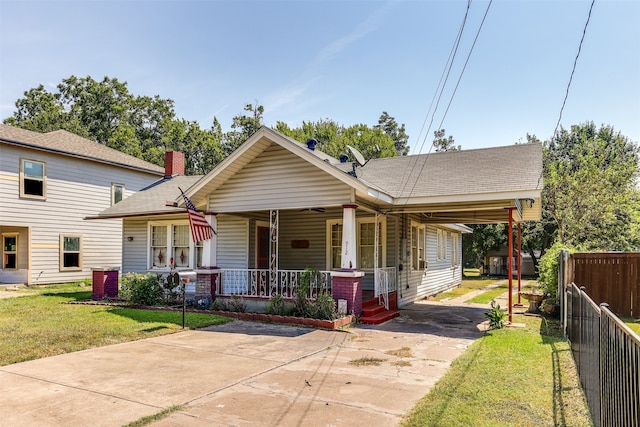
(104, 283)
(206, 281)
(347, 285)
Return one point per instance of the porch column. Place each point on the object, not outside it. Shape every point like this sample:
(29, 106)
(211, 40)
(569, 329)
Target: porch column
(347, 282)
(209, 248)
(349, 237)
(510, 262)
(208, 273)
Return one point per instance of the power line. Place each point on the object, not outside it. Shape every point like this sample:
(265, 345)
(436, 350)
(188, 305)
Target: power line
(566, 95)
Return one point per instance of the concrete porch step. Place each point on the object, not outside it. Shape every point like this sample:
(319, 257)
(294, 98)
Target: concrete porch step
(379, 317)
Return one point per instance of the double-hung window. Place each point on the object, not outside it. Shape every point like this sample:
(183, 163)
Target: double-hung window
(33, 179)
(172, 241)
(366, 247)
(70, 252)
(418, 242)
(441, 245)
(455, 242)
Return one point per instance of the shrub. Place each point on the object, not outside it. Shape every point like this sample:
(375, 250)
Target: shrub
(218, 305)
(142, 289)
(548, 271)
(237, 304)
(277, 305)
(325, 307)
(496, 316)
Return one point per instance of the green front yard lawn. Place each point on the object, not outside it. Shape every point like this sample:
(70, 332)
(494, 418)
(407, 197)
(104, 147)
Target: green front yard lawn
(509, 377)
(41, 325)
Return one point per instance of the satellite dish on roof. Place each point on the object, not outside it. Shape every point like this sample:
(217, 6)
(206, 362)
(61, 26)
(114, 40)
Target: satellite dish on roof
(357, 156)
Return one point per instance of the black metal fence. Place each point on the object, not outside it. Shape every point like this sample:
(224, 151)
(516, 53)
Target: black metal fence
(607, 355)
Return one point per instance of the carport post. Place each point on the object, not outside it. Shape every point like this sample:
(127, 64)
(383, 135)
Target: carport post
(510, 263)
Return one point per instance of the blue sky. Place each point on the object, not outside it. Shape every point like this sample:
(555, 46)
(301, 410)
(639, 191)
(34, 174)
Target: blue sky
(344, 60)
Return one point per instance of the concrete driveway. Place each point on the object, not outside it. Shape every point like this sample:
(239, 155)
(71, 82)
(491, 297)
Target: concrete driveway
(247, 374)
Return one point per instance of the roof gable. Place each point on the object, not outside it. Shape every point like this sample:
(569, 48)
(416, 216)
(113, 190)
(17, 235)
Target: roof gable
(68, 144)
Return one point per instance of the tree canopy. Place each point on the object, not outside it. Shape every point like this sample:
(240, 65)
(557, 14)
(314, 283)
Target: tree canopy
(145, 127)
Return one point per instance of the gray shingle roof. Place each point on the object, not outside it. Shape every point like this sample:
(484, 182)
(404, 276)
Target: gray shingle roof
(151, 200)
(69, 144)
(477, 171)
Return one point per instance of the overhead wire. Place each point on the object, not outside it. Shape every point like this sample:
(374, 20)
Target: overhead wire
(573, 70)
(424, 163)
(446, 71)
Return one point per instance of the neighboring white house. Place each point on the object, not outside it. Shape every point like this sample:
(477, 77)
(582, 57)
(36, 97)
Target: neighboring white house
(48, 183)
(279, 206)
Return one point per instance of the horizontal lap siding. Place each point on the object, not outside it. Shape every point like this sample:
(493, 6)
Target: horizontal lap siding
(276, 180)
(135, 252)
(75, 189)
(233, 242)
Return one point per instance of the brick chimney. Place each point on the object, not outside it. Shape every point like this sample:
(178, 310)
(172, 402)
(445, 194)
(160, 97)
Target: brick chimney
(173, 163)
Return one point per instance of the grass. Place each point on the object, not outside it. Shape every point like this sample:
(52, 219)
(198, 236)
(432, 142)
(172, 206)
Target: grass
(469, 284)
(633, 324)
(509, 377)
(366, 361)
(156, 417)
(41, 325)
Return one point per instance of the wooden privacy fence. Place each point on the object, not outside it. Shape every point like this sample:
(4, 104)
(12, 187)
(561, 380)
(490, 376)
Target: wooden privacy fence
(612, 278)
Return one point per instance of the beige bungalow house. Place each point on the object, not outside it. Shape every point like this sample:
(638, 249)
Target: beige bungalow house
(388, 228)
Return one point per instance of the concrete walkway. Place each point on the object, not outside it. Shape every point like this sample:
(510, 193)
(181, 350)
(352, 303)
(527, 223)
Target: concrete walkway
(247, 374)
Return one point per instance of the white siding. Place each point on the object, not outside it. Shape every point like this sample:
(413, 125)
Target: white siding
(233, 242)
(75, 189)
(278, 179)
(439, 276)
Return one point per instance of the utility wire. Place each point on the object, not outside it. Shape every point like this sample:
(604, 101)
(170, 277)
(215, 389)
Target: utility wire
(444, 77)
(424, 164)
(566, 95)
(573, 70)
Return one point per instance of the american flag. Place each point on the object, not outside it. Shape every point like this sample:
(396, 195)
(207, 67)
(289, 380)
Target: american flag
(200, 228)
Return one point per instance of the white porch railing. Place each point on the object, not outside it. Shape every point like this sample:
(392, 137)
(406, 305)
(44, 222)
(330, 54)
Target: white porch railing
(255, 282)
(384, 283)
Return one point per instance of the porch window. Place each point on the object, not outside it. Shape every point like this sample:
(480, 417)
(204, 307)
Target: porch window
(70, 252)
(117, 193)
(173, 240)
(9, 251)
(33, 179)
(418, 261)
(365, 235)
(159, 246)
(441, 245)
(180, 245)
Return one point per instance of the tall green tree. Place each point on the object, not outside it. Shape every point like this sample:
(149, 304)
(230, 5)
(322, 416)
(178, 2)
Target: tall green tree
(389, 126)
(590, 187)
(243, 127)
(444, 143)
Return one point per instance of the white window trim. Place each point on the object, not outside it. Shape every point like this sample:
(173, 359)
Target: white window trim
(169, 245)
(62, 252)
(382, 237)
(455, 243)
(421, 229)
(44, 180)
(441, 245)
(113, 192)
(16, 252)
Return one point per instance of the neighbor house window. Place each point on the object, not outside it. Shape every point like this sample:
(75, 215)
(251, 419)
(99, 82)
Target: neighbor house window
(70, 252)
(455, 241)
(117, 193)
(418, 261)
(365, 236)
(172, 240)
(441, 245)
(9, 251)
(33, 179)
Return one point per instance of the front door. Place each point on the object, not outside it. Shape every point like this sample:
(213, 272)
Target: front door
(262, 259)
